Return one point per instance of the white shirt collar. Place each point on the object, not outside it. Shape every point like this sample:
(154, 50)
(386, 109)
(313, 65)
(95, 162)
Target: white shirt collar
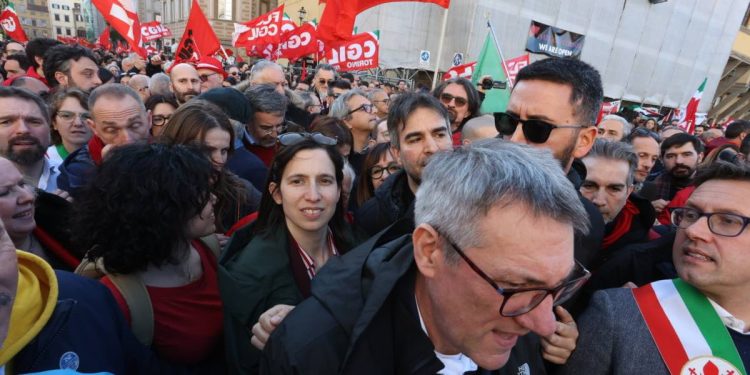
(455, 364)
(729, 320)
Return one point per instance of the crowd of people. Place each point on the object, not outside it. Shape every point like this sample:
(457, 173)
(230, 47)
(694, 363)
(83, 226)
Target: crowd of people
(199, 217)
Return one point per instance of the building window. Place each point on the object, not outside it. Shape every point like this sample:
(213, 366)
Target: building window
(264, 6)
(59, 30)
(55, 6)
(225, 10)
(67, 18)
(67, 31)
(57, 17)
(81, 33)
(65, 7)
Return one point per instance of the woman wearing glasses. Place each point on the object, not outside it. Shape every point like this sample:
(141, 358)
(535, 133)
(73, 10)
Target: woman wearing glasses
(161, 107)
(69, 128)
(300, 226)
(379, 164)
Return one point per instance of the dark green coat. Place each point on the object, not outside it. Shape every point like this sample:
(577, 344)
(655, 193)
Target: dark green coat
(255, 275)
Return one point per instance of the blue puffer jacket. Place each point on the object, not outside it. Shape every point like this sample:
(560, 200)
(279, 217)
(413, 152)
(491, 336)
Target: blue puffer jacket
(87, 333)
(76, 170)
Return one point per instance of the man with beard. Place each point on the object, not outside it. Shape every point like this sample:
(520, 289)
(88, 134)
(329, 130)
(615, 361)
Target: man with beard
(118, 117)
(646, 146)
(461, 99)
(25, 136)
(267, 122)
(680, 154)
(324, 75)
(73, 66)
(186, 84)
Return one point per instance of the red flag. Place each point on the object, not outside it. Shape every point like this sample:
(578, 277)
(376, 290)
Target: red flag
(199, 39)
(514, 65)
(259, 33)
(301, 42)
(121, 15)
(120, 48)
(104, 40)
(12, 25)
(360, 52)
(154, 30)
(338, 17)
(465, 70)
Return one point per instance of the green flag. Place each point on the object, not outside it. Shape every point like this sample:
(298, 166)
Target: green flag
(490, 64)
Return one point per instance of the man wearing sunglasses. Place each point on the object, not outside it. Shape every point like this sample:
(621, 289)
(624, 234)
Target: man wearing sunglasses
(324, 75)
(356, 112)
(210, 72)
(491, 254)
(554, 105)
(461, 99)
(701, 316)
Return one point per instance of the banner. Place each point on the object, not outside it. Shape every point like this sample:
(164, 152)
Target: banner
(299, 43)
(465, 70)
(554, 41)
(608, 108)
(514, 66)
(260, 32)
(12, 25)
(154, 30)
(121, 15)
(199, 38)
(360, 52)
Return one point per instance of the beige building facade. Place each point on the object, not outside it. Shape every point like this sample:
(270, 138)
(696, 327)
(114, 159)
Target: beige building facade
(34, 16)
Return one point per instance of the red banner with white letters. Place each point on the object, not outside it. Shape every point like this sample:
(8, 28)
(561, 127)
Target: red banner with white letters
(260, 32)
(360, 52)
(514, 65)
(301, 42)
(154, 30)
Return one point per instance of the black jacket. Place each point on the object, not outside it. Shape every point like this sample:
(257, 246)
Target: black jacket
(586, 247)
(362, 319)
(639, 229)
(393, 201)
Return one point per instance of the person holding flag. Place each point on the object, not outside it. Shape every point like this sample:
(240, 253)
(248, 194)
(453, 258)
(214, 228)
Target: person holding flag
(696, 323)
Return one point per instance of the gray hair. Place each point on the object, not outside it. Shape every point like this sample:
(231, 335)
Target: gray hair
(265, 99)
(349, 171)
(327, 67)
(262, 65)
(139, 80)
(616, 151)
(114, 90)
(307, 98)
(627, 127)
(459, 188)
(159, 84)
(340, 107)
(373, 92)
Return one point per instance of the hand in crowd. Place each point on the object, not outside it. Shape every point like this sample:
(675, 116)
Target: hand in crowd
(268, 322)
(558, 347)
(659, 205)
(63, 194)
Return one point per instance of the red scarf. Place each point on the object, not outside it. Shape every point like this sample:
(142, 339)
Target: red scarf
(622, 224)
(95, 149)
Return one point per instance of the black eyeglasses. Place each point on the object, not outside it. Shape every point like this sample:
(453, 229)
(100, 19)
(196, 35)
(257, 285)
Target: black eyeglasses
(366, 107)
(535, 131)
(288, 139)
(204, 77)
(377, 171)
(643, 132)
(722, 224)
(519, 301)
(446, 99)
(325, 82)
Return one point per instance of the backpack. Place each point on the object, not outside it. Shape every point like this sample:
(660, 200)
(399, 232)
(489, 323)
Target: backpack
(134, 291)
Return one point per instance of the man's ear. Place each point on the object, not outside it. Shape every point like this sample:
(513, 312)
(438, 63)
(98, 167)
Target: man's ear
(396, 153)
(428, 255)
(586, 137)
(700, 157)
(61, 78)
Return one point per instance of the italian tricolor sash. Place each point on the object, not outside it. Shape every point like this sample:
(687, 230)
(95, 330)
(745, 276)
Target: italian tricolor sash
(690, 336)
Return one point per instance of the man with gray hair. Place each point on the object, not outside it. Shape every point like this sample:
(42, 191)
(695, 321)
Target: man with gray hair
(118, 117)
(613, 128)
(322, 78)
(266, 72)
(139, 83)
(609, 184)
(267, 122)
(159, 84)
(457, 293)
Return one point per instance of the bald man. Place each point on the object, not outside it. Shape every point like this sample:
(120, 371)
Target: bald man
(139, 83)
(186, 84)
(481, 127)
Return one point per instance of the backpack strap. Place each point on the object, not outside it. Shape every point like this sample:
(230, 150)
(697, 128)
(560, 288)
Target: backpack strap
(139, 303)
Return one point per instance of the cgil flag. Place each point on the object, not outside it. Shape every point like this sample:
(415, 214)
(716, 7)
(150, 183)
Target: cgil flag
(337, 21)
(688, 122)
(121, 15)
(12, 25)
(490, 64)
(259, 33)
(199, 39)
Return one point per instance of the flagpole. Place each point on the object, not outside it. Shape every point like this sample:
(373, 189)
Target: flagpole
(440, 49)
(224, 52)
(499, 50)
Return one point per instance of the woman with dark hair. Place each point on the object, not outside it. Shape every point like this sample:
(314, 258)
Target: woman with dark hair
(161, 107)
(300, 226)
(336, 129)
(144, 215)
(378, 165)
(69, 111)
(651, 124)
(203, 124)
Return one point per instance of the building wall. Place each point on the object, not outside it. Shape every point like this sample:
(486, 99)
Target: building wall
(61, 18)
(34, 16)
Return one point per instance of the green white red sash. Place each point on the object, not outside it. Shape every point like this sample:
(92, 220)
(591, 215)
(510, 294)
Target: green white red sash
(690, 336)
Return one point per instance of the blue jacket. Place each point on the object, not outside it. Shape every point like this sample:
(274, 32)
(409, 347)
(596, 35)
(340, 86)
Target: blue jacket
(87, 333)
(76, 170)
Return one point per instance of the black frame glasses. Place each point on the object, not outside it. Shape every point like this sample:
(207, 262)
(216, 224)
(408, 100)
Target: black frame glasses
(535, 131)
(446, 99)
(205, 77)
(535, 296)
(719, 223)
(288, 139)
(325, 81)
(377, 171)
(367, 107)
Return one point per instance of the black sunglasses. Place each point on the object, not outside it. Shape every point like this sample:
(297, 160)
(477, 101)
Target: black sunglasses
(325, 82)
(446, 99)
(288, 139)
(535, 131)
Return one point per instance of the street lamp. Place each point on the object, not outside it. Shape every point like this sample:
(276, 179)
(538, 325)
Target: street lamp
(302, 13)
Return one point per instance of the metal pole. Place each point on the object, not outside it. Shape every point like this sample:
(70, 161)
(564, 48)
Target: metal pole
(502, 58)
(440, 49)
